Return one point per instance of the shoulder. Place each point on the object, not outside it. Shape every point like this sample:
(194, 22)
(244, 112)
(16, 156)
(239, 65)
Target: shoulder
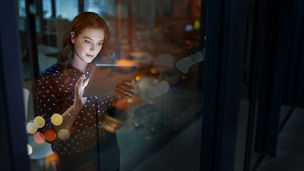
(52, 70)
(48, 75)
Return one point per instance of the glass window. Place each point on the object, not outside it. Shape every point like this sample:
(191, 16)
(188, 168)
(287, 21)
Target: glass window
(161, 40)
(47, 8)
(66, 9)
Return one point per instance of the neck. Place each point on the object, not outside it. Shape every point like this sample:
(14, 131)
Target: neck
(79, 64)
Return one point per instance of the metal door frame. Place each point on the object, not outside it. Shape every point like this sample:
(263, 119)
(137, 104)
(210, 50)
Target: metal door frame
(13, 106)
(224, 50)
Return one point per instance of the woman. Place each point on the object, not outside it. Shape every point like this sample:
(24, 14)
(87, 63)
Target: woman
(81, 143)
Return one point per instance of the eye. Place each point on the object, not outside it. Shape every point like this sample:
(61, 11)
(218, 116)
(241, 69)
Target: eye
(87, 41)
(99, 44)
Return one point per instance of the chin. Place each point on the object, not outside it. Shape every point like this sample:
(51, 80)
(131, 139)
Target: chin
(89, 60)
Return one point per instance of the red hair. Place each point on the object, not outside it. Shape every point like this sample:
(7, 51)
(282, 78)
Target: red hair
(78, 24)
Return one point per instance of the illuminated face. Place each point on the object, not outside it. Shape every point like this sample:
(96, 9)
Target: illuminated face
(87, 44)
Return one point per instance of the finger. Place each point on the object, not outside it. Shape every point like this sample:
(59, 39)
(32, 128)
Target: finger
(86, 82)
(127, 83)
(109, 128)
(123, 93)
(129, 91)
(113, 124)
(127, 87)
(82, 80)
(113, 121)
(79, 81)
(77, 85)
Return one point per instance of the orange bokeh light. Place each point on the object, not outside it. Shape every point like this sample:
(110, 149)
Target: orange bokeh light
(137, 78)
(50, 135)
(52, 158)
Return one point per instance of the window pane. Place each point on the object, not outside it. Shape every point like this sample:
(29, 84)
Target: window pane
(163, 47)
(47, 8)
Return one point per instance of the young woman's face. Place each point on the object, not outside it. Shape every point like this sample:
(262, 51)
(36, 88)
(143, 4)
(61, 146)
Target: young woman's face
(87, 44)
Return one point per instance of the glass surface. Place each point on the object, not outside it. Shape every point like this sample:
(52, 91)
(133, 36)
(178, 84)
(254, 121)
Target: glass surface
(47, 8)
(161, 131)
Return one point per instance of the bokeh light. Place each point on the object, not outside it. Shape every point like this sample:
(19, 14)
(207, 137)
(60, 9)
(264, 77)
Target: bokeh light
(31, 127)
(52, 158)
(155, 81)
(153, 70)
(130, 100)
(56, 119)
(188, 27)
(63, 134)
(39, 121)
(29, 149)
(137, 78)
(197, 25)
(163, 86)
(50, 135)
(39, 138)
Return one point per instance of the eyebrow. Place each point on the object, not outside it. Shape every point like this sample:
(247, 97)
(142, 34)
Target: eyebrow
(93, 40)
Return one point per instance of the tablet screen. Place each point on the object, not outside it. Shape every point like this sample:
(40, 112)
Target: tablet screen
(105, 77)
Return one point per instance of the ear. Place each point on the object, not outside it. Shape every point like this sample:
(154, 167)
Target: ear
(72, 37)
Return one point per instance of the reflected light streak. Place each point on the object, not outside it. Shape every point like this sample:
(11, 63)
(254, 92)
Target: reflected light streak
(125, 62)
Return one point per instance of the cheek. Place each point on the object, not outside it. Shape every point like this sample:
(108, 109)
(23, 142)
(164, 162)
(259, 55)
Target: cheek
(82, 48)
(99, 49)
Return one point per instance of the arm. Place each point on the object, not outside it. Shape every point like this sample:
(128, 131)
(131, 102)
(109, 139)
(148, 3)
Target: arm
(70, 115)
(46, 102)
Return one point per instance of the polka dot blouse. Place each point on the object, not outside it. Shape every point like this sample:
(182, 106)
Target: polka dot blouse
(53, 92)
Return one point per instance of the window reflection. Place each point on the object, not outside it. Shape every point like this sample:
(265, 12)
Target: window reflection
(162, 37)
(47, 8)
(66, 9)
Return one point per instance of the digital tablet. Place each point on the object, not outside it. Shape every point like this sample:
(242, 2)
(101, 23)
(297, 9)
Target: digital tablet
(105, 77)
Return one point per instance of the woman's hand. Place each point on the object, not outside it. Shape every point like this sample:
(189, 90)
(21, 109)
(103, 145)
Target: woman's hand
(125, 89)
(79, 100)
(127, 95)
(127, 98)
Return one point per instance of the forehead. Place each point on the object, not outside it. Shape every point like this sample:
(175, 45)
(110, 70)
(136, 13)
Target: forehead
(95, 34)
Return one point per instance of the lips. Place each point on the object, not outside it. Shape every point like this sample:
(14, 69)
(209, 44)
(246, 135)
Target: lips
(90, 56)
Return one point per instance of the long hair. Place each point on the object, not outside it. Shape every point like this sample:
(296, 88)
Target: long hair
(78, 24)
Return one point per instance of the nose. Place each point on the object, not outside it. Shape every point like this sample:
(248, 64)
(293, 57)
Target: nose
(92, 48)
